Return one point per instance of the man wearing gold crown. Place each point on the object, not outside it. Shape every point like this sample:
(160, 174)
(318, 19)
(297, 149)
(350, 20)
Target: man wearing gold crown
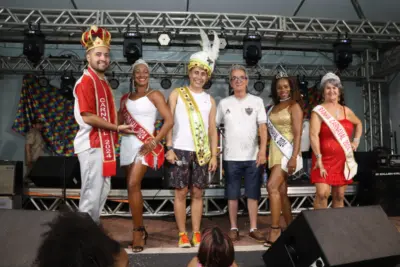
(192, 142)
(95, 113)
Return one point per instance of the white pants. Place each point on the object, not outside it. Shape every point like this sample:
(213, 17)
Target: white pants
(95, 187)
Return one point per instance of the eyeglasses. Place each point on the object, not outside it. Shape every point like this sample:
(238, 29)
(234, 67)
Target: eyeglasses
(240, 78)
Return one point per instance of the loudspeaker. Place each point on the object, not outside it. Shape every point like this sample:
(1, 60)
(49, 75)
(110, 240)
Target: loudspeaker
(355, 236)
(50, 171)
(11, 177)
(20, 235)
(11, 184)
(385, 190)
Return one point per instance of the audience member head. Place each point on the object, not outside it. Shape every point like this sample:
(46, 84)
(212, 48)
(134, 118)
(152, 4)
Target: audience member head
(216, 249)
(37, 123)
(75, 240)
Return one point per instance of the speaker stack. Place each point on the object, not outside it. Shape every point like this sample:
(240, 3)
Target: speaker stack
(345, 237)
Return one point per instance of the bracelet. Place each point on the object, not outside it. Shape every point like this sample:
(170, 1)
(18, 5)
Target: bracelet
(318, 156)
(357, 140)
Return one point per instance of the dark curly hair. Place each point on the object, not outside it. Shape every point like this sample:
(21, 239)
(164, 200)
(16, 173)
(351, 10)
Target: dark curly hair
(216, 249)
(74, 239)
(294, 91)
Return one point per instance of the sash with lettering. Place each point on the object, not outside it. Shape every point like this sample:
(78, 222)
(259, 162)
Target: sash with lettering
(154, 159)
(351, 166)
(284, 146)
(106, 112)
(200, 135)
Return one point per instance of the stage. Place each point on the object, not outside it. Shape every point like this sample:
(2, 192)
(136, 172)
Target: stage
(162, 250)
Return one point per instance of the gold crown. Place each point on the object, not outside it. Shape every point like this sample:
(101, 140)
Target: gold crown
(281, 75)
(96, 37)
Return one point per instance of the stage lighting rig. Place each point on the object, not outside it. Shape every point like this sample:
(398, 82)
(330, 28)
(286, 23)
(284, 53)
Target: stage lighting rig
(42, 80)
(223, 42)
(252, 52)
(342, 52)
(67, 85)
(114, 83)
(132, 45)
(33, 47)
(166, 83)
(164, 38)
(207, 85)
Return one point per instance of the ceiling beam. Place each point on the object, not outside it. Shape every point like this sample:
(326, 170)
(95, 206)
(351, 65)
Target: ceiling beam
(358, 9)
(298, 8)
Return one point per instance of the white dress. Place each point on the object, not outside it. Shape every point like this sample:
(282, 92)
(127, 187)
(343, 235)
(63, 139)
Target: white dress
(145, 113)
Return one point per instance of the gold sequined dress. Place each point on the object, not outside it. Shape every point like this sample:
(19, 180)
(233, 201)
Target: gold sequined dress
(282, 121)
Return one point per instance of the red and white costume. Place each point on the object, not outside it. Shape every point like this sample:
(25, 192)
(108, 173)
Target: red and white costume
(95, 147)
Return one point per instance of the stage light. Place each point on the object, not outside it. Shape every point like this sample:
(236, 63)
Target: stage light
(164, 38)
(252, 52)
(166, 83)
(132, 46)
(43, 81)
(259, 86)
(207, 85)
(67, 86)
(114, 83)
(33, 47)
(342, 52)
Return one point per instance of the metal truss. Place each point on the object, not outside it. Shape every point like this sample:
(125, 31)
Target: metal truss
(68, 24)
(160, 202)
(389, 63)
(176, 69)
(372, 101)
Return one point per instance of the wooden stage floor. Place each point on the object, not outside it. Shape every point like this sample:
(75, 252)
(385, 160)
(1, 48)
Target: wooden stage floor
(164, 234)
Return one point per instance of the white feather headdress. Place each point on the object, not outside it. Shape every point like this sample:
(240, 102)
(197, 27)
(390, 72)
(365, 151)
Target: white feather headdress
(208, 56)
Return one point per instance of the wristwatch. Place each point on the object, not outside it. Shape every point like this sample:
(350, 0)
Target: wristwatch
(169, 148)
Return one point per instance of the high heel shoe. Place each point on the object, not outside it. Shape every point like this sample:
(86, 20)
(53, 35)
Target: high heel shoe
(270, 243)
(136, 248)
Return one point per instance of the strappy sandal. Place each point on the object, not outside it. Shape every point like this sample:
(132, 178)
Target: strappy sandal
(270, 243)
(136, 249)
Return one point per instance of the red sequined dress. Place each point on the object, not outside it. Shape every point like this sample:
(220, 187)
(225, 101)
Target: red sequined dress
(333, 157)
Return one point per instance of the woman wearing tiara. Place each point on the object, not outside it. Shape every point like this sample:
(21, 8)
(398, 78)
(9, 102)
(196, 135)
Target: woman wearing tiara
(333, 162)
(284, 123)
(142, 149)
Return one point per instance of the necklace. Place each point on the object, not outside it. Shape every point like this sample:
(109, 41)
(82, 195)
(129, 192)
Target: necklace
(337, 114)
(285, 99)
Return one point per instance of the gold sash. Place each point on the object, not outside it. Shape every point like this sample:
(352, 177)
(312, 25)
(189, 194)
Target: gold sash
(200, 135)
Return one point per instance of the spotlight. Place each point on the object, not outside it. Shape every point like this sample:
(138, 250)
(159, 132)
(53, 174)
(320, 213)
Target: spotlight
(67, 86)
(207, 85)
(114, 83)
(342, 52)
(132, 46)
(166, 83)
(259, 86)
(33, 47)
(43, 81)
(252, 52)
(164, 38)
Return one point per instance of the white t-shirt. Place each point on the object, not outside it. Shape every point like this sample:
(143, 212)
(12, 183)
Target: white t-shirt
(182, 137)
(241, 118)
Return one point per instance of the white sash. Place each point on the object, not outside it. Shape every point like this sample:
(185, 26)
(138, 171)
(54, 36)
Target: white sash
(351, 166)
(284, 146)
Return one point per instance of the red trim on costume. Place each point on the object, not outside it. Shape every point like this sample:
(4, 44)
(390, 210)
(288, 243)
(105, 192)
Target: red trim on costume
(105, 111)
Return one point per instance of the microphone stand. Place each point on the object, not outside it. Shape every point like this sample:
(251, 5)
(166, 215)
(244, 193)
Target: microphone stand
(64, 206)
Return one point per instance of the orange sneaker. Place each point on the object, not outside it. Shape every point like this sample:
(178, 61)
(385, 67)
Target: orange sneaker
(196, 239)
(184, 240)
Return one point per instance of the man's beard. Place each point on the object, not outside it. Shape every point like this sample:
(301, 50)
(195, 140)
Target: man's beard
(97, 68)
